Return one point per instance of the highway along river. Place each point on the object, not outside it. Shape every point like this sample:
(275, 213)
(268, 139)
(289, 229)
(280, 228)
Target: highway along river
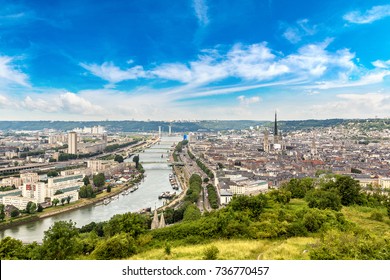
(154, 161)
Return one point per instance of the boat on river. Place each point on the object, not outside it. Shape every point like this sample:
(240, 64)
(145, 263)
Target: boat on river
(166, 195)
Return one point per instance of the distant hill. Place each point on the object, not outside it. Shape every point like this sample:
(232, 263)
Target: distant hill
(206, 125)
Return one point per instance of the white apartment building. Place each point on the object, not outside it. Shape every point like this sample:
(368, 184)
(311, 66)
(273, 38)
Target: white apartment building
(384, 183)
(72, 142)
(35, 191)
(11, 154)
(64, 186)
(249, 187)
(95, 165)
(29, 178)
(11, 181)
(17, 201)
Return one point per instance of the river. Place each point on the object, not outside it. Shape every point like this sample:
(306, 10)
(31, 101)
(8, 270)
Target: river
(154, 161)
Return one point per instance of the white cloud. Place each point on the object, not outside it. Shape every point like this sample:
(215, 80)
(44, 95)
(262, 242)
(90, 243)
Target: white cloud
(369, 16)
(40, 104)
(354, 105)
(373, 100)
(314, 60)
(65, 102)
(371, 77)
(381, 64)
(113, 74)
(301, 29)
(255, 63)
(201, 9)
(3, 101)
(292, 35)
(9, 74)
(248, 100)
(73, 103)
(173, 71)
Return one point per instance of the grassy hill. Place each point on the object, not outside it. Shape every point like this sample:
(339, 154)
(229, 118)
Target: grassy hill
(293, 248)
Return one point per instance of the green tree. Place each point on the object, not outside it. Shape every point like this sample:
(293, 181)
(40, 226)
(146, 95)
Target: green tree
(31, 207)
(254, 204)
(136, 160)
(281, 196)
(387, 204)
(40, 208)
(109, 188)
(52, 173)
(99, 180)
(118, 246)
(11, 249)
(86, 192)
(55, 202)
(299, 187)
(68, 198)
(322, 199)
(63, 201)
(15, 213)
(131, 223)
(86, 181)
(192, 213)
(61, 241)
(118, 158)
(2, 212)
(349, 190)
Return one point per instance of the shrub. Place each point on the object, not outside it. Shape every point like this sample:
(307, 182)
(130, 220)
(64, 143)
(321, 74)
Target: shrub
(117, 247)
(167, 249)
(322, 199)
(377, 216)
(211, 253)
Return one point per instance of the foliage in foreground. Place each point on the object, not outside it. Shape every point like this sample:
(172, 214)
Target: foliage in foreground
(270, 216)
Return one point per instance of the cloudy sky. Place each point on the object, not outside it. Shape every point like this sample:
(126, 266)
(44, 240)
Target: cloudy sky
(194, 59)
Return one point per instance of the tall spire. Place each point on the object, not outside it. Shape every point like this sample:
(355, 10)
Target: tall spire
(162, 221)
(276, 133)
(154, 224)
(276, 124)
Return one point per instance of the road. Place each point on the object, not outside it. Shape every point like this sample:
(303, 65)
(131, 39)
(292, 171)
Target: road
(192, 168)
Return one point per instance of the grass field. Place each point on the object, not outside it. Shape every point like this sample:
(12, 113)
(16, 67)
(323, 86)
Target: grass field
(236, 249)
(295, 248)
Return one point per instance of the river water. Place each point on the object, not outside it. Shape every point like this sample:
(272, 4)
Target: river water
(154, 161)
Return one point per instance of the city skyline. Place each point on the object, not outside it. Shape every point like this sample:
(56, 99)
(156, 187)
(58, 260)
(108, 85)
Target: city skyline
(199, 59)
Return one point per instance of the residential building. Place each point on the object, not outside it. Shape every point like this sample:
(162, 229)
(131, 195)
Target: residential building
(72, 142)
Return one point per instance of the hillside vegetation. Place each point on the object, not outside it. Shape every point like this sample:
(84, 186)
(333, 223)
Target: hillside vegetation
(305, 219)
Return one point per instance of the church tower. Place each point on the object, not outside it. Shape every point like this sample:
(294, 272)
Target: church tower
(276, 136)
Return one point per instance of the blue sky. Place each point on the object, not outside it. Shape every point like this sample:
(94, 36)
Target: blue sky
(194, 59)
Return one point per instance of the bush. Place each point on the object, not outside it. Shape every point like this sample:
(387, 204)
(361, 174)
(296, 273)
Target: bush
(336, 245)
(211, 253)
(377, 216)
(117, 247)
(322, 199)
(167, 249)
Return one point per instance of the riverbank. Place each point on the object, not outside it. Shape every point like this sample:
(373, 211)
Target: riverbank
(83, 202)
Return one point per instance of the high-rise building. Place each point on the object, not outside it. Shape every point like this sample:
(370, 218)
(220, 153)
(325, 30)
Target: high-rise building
(72, 143)
(169, 130)
(159, 131)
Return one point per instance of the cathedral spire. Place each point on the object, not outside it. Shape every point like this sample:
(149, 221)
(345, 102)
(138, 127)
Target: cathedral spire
(276, 124)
